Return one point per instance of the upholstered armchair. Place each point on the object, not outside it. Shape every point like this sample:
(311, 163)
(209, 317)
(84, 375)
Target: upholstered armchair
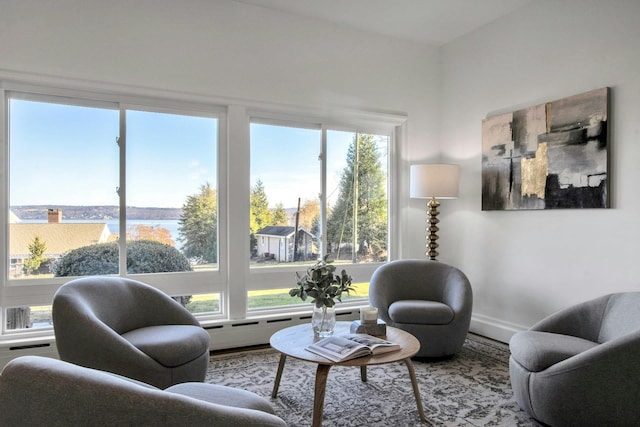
(581, 365)
(39, 391)
(429, 299)
(129, 328)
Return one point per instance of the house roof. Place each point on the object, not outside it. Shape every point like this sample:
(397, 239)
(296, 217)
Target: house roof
(59, 238)
(276, 230)
(13, 218)
(279, 231)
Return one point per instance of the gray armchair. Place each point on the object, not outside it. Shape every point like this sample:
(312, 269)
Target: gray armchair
(580, 366)
(429, 299)
(129, 328)
(38, 391)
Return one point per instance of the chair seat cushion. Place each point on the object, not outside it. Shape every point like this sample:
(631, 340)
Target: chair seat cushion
(420, 312)
(536, 350)
(170, 345)
(222, 395)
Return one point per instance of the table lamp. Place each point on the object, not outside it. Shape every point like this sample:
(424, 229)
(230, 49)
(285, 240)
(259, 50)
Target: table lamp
(434, 181)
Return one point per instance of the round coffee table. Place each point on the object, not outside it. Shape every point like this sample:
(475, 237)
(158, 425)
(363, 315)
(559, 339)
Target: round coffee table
(292, 342)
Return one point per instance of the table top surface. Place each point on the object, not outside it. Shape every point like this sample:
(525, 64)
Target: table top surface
(292, 342)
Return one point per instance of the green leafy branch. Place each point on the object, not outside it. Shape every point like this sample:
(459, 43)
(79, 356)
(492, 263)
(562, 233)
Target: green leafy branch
(322, 284)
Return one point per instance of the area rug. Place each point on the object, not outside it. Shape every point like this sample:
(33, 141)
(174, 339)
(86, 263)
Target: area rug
(471, 388)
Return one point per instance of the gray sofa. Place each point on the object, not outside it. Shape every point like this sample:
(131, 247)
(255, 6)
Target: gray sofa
(581, 365)
(39, 391)
(428, 299)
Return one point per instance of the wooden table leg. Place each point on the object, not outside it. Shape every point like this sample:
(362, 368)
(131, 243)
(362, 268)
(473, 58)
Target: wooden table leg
(416, 390)
(318, 398)
(363, 373)
(276, 384)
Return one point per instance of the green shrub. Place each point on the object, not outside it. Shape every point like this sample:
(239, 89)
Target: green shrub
(143, 256)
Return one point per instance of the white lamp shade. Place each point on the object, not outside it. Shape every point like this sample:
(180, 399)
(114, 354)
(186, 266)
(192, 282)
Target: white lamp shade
(434, 180)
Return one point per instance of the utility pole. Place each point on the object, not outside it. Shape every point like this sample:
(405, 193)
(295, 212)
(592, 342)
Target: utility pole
(295, 236)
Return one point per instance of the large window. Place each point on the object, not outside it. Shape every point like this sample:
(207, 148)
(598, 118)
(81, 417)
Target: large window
(172, 186)
(218, 206)
(97, 189)
(357, 202)
(63, 176)
(285, 194)
(315, 192)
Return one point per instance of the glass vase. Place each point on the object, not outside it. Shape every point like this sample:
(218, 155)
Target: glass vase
(323, 321)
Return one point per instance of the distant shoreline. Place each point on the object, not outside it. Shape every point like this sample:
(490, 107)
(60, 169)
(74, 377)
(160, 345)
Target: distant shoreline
(96, 212)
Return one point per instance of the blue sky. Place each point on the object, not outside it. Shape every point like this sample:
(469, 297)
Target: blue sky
(67, 155)
(286, 160)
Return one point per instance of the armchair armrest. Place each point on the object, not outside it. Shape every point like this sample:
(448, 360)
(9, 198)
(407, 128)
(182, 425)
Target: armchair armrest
(582, 320)
(578, 383)
(457, 293)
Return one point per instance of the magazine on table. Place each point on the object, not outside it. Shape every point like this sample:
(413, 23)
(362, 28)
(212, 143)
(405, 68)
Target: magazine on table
(339, 348)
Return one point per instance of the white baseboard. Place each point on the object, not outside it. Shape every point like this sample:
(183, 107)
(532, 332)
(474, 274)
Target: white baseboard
(258, 331)
(249, 332)
(493, 328)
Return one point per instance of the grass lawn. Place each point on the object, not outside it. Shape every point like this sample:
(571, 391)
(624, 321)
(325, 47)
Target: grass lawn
(281, 297)
(208, 303)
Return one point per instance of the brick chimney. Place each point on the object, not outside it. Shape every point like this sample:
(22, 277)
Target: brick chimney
(54, 216)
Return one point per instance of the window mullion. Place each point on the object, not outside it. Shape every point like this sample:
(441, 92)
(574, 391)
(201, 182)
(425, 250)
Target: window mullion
(323, 192)
(122, 193)
(237, 207)
(4, 189)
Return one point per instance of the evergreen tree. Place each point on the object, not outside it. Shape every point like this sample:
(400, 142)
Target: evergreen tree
(37, 249)
(279, 215)
(363, 176)
(260, 215)
(198, 229)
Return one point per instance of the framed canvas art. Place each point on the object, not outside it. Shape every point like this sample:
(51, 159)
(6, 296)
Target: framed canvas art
(548, 156)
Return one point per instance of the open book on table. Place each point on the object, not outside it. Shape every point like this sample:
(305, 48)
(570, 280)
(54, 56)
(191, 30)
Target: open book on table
(339, 348)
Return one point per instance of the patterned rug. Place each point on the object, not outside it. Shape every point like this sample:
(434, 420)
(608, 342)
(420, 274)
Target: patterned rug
(471, 388)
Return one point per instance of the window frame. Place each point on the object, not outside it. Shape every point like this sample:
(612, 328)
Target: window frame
(281, 276)
(40, 291)
(233, 278)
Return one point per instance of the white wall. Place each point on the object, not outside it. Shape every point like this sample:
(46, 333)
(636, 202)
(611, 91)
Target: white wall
(219, 48)
(526, 264)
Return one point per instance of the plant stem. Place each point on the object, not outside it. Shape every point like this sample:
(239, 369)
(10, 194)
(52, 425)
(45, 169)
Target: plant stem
(324, 313)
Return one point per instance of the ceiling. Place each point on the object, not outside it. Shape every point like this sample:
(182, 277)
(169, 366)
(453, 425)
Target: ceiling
(434, 22)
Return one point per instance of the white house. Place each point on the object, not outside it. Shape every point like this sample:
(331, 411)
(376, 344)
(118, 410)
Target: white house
(58, 237)
(277, 242)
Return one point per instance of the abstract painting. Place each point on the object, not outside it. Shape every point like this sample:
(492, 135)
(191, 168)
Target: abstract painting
(550, 156)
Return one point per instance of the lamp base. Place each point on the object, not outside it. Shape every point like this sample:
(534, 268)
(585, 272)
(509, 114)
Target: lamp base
(432, 237)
